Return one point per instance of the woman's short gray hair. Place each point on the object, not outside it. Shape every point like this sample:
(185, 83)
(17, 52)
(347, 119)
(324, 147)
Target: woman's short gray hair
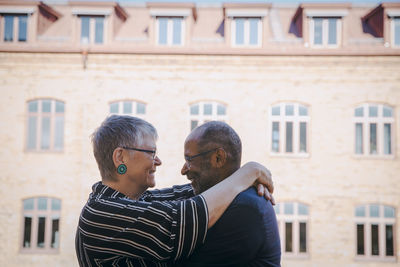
(118, 131)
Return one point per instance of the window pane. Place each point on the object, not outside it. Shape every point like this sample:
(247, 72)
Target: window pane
(42, 203)
(276, 110)
(303, 209)
(375, 239)
(55, 204)
(372, 138)
(32, 132)
(360, 239)
(28, 204)
(193, 124)
(253, 31)
(8, 28)
(373, 111)
(303, 137)
(359, 112)
(114, 108)
(275, 136)
(162, 30)
(276, 208)
(46, 106)
(374, 211)
(41, 229)
(397, 31)
(33, 106)
(289, 137)
(127, 108)
(55, 236)
(359, 138)
(303, 237)
(303, 111)
(99, 30)
(239, 31)
(59, 107)
(389, 240)
(318, 31)
(22, 28)
(387, 139)
(221, 110)
(194, 110)
(207, 109)
(45, 142)
(288, 208)
(140, 108)
(388, 212)
(177, 30)
(289, 110)
(27, 232)
(360, 211)
(288, 239)
(85, 26)
(59, 132)
(387, 112)
(332, 38)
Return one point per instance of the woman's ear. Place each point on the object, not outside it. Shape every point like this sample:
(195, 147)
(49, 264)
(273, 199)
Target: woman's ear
(118, 156)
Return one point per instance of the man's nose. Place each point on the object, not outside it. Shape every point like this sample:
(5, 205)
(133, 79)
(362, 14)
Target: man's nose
(157, 161)
(185, 169)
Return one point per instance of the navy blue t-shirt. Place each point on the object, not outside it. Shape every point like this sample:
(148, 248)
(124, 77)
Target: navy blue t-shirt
(246, 235)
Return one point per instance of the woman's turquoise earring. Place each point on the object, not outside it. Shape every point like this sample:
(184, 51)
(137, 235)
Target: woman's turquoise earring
(121, 169)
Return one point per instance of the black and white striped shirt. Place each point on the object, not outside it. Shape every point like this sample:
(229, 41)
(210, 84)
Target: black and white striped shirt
(161, 227)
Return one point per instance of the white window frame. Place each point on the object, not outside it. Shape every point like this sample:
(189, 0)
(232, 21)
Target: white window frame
(92, 29)
(16, 27)
(134, 108)
(392, 22)
(35, 213)
(367, 221)
(39, 115)
(325, 32)
(170, 34)
(295, 219)
(380, 121)
(201, 118)
(246, 32)
(296, 119)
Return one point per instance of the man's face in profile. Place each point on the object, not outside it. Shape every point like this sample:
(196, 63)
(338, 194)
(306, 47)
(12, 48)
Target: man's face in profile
(198, 168)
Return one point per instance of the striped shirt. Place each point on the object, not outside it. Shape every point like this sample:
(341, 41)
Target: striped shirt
(159, 228)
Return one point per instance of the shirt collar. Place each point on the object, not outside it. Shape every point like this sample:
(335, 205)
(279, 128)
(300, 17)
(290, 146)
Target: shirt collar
(101, 190)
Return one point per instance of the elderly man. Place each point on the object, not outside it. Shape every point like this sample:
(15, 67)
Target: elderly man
(247, 233)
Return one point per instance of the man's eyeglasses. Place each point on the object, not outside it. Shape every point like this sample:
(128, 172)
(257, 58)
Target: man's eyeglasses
(153, 152)
(190, 158)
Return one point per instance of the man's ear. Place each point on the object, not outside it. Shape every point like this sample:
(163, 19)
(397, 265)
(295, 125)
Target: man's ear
(118, 156)
(219, 158)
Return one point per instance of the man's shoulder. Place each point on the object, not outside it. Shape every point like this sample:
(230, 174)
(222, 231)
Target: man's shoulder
(250, 199)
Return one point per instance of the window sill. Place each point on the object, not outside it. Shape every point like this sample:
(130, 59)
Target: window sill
(374, 157)
(375, 258)
(290, 155)
(293, 256)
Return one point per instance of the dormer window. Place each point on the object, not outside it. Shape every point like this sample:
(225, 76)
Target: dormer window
(325, 31)
(396, 32)
(170, 30)
(92, 29)
(14, 24)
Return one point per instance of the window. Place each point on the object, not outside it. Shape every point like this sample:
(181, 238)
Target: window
(289, 129)
(92, 29)
(41, 224)
(128, 107)
(373, 129)
(170, 30)
(325, 32)
(246, 31)
(202, 112)
(293, 228)
(374, 226)
(45, 130)
(15, 27)
(396, 31)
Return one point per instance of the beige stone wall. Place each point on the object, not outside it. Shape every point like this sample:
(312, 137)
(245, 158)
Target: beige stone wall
(331, 180)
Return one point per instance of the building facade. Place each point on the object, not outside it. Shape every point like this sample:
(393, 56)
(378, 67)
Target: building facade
(312, 89)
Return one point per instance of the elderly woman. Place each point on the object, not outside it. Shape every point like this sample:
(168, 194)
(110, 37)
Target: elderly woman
(122, 224)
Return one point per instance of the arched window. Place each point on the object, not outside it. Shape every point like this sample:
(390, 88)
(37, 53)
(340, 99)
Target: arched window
(128, 107)
(41, 224)
(373, 129)
(45, 125)
(293, 228)
(289, 128)
(205, 111)
(375, 231)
